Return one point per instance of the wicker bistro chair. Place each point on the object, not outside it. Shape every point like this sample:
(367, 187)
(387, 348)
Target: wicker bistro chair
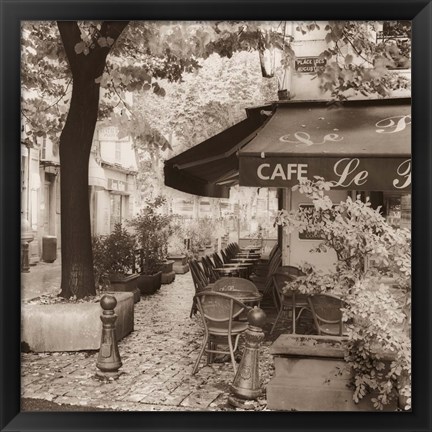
(291, 301)
(217, 260)
(200, 280)
(209, 269)
(327, 314)
(219, 312)
(264, 283)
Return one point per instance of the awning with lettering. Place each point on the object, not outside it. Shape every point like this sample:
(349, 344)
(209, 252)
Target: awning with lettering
(358, 145)
(211, 168)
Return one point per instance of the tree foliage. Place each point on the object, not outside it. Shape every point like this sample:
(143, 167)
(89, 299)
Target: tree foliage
(65, 65)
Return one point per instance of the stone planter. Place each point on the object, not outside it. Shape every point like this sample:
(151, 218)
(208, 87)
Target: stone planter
(314, 376)
(168, 274)
(72, 326)
(180, 265)
(119, 283)
(149, 284)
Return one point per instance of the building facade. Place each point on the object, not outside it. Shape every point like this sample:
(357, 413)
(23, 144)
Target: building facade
(112, 186)
(302, 85)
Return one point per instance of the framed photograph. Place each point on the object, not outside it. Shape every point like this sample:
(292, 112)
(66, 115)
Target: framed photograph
(216, 215)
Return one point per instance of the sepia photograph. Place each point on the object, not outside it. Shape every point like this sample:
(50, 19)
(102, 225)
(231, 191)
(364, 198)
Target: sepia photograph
(216, 216)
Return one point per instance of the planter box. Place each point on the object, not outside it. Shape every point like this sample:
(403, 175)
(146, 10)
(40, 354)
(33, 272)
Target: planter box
(313, 377)
(180, 265)
(149, 284)
(72, 326)
(168, 274)
(126, 284)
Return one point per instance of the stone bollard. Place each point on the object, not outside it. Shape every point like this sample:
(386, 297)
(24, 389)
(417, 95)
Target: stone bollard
(246, 384)
(109, 361)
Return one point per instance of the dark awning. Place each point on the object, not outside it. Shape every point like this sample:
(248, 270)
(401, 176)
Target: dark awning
(359, 145)
(210, 168)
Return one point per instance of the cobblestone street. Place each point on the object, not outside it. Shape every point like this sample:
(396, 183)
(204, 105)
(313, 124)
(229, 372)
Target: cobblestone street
(157, 357)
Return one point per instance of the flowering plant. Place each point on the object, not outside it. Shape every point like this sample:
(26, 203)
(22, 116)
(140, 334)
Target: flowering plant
(377, 317)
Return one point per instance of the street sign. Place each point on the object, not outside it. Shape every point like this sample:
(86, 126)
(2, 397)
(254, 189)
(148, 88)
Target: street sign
(309, 64)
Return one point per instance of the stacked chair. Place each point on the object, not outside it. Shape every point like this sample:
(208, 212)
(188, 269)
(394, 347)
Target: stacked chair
(235, 261)
(201, 281)
(263, 274)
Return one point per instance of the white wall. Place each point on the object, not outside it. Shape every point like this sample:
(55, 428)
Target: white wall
(297, 251)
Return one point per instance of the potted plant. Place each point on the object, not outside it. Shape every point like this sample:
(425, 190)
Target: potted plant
(377, 349)
(178, 245)
(113, 261)
(152, 230)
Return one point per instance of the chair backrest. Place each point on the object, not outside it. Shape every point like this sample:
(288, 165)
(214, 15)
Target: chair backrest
(273, 266)
(326, 309)
(219, 307)
(224, 256)
(217, 260)
(198, 276)
(275, 262)
(273, 250)
(279, 282)
(227, 284)
(208, 268)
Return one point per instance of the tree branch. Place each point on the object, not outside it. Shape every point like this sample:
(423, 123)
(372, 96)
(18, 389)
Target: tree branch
(113, 29)
(70, 35)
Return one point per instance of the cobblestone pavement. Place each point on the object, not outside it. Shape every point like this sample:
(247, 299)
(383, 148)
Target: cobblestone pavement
(42, 278)
(157, 357)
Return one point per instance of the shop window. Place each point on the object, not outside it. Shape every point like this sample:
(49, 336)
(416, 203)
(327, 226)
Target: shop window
(398, 210)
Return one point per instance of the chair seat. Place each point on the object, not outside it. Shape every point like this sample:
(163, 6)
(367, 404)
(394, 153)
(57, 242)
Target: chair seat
(331, 329)
(221, 328)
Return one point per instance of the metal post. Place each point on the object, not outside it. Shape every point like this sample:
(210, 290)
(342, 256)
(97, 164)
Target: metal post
(109, 361)
(246, 384)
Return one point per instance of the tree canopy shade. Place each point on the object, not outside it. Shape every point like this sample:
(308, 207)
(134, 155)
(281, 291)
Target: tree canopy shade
(65, 65)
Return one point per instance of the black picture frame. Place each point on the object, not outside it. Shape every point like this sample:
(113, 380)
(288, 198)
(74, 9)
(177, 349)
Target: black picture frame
(12, 12)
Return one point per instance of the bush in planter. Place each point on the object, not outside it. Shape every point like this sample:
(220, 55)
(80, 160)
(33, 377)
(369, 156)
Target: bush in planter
(113, 255)
(176, 241)
(201, 232)
(152, 230)
(377, 320)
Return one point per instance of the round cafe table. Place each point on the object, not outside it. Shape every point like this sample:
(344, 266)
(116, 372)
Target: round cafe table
(249, 298)
(239, 271)
(248, 265)
(245, 260)
(250, 248)
(248, 255)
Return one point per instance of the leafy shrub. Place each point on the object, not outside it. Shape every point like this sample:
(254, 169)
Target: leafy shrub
(113, 254)
(152, 230)
(378, 318)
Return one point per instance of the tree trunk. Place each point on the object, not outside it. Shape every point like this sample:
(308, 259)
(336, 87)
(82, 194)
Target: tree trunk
(75, 146)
